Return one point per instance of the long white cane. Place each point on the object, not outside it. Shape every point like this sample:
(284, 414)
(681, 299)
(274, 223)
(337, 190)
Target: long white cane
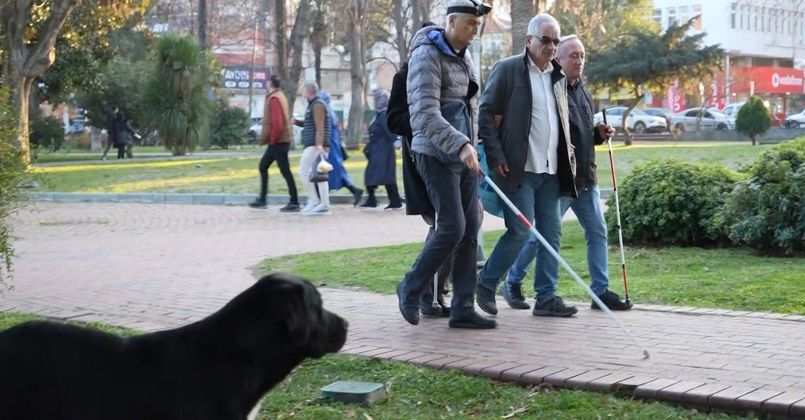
(562, 261)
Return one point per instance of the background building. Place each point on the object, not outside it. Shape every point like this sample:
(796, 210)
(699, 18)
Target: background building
(764, 43)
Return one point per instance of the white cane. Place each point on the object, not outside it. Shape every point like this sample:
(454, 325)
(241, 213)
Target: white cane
(562, 261)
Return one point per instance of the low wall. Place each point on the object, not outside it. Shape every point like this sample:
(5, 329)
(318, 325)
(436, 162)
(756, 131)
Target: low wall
(771, 136)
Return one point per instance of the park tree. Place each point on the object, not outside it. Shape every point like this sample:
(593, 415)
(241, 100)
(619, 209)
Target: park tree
(176, 94)
(753, 119)
(356, 9)
(643, 61)
(596, 22)
(13, 170)
(31, 31)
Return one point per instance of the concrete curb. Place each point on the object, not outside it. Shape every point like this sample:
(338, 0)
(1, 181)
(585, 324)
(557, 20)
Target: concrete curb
(217, 199)
(157, 198)
(778, 403)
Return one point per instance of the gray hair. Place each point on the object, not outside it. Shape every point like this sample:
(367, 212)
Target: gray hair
(311, 86)
(565, 40)
(537, 21)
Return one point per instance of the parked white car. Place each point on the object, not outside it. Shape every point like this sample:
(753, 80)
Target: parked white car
(796, 120)
(256, 130)
(707, 120)
(638, 121)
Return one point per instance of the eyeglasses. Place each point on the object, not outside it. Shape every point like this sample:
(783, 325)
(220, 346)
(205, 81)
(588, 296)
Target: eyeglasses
(547, 40)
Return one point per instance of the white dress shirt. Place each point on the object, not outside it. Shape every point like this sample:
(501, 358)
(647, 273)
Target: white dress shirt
(543, 139)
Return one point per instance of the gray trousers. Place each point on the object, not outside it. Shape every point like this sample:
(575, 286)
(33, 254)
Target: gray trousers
(454, 195)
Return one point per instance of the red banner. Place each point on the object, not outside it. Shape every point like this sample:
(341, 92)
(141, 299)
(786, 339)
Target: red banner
(768, 80)
(676, 101)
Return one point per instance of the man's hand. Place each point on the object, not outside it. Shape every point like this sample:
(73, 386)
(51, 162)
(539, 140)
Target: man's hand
(502, 170)
(320, 149)
(605, 130)
(469, 157)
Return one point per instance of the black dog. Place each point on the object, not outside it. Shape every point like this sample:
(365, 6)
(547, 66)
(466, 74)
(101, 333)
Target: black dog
(217, 368)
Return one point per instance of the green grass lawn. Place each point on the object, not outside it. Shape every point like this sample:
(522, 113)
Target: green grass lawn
(238, 175)
(419, 393)
(729, 278)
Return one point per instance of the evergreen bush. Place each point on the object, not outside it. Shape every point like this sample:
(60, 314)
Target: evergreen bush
(765, 211)
(671, 202)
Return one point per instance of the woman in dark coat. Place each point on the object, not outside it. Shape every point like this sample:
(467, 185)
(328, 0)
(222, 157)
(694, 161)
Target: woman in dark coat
(381, 168)
(125, 136)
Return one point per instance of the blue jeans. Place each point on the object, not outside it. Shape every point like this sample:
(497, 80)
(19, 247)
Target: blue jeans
(587, 208)
(538, 200)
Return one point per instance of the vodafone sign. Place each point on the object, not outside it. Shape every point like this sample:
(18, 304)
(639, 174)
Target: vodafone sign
(769, 80)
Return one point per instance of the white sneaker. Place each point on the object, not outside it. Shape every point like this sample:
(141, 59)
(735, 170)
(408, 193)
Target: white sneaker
(320, 209)
(310, 205)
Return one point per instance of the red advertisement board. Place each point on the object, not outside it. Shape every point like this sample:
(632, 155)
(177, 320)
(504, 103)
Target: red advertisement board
(768, 80)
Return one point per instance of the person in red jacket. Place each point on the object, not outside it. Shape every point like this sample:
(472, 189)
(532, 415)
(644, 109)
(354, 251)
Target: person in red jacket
(277, 134)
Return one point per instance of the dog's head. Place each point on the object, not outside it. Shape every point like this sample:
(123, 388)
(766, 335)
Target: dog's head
(289, 314)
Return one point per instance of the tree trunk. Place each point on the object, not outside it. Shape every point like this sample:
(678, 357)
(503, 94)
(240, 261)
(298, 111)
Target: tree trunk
(202, 25)
(521, 12)
(297, 44)
(624, 126)
(400, 40)
(280, 35)
(26, 62)
(357, 73)
(753, 137)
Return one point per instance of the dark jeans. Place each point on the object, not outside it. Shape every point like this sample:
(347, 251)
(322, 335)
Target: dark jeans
(453, 192)
(278, 152)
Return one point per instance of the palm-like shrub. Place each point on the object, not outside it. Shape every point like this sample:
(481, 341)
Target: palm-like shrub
(175, 94)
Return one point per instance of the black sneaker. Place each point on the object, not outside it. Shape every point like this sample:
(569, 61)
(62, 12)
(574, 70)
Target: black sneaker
(291, 208)
(613, 302)
(409, 312)
(258, 204)
(395, 206)
(513, 294)
(486, 299)
(434, 310)
(553, 307)
(369, 204)
(472, 320)
(357, 194)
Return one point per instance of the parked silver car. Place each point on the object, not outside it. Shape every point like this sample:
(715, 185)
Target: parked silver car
(707, 120)
(638, 121)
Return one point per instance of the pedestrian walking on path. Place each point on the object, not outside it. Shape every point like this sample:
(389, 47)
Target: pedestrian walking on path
(338, 177)
(535, 173)
(316, 139)
(587, 206)
(442, 85)
(381, 166)
(276, 133)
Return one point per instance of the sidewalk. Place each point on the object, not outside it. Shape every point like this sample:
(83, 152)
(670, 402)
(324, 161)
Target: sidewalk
(158, 266)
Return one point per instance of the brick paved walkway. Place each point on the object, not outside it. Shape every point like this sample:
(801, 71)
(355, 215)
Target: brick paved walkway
(156, 266)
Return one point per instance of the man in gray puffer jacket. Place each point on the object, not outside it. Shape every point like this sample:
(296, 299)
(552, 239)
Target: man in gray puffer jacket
(442, 84)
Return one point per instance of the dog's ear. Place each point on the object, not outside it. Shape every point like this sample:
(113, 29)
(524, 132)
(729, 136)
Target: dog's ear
(293, 294)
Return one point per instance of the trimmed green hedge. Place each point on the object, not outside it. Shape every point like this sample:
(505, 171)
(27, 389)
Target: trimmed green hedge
(668, 201)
